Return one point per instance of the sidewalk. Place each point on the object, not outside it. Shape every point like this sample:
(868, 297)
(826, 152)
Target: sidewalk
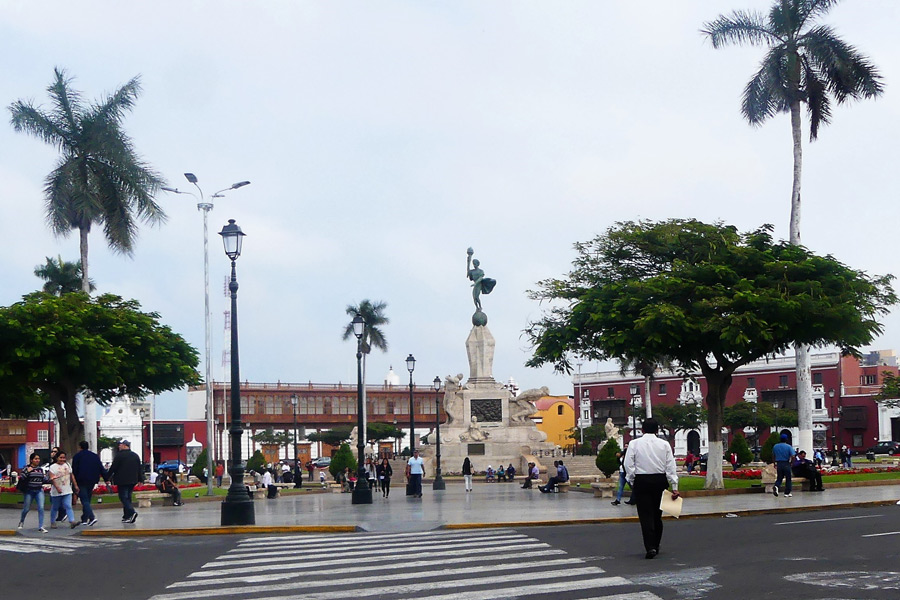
(487, 505)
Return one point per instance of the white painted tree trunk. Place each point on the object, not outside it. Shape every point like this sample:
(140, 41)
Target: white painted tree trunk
(804, 382)
(714, 480)
(648, 380)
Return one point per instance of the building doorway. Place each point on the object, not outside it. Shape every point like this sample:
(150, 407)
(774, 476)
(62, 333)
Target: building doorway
(693, 443)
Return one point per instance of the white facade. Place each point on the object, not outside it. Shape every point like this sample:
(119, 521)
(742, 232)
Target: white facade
(122, 420)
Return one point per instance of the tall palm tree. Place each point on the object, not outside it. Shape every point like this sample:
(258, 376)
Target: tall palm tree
(373, 337)
(806, 63)
(99, 179)
(61, 276)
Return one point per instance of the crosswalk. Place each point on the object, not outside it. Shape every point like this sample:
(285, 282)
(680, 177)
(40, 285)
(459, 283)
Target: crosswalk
(492, 564)
(52, 545)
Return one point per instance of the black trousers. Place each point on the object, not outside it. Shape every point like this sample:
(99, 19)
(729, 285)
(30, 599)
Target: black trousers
(648, 491)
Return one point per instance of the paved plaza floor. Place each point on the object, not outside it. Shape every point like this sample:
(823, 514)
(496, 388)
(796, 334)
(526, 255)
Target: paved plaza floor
(487, 504)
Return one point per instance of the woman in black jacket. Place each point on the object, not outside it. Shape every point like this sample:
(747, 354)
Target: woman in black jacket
(385, 472)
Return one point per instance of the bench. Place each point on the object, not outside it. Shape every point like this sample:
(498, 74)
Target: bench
(145, 499)
(604, 489)
(256, 492)
(562, 487)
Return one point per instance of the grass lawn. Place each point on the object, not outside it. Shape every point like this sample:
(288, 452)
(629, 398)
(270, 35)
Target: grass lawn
(690, 484)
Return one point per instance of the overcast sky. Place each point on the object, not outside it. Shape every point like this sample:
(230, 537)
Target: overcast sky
(384, 138)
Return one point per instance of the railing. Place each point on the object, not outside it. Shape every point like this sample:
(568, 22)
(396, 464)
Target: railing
(287, 387)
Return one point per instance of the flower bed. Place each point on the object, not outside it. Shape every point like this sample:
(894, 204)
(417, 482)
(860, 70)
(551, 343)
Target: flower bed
(757, 474)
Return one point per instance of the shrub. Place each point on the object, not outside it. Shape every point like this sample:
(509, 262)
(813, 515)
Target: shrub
(606, 458)
(342, 459)
(765, 453)
(257, 462)
(739, 446)
(199, 465)
(585, 449)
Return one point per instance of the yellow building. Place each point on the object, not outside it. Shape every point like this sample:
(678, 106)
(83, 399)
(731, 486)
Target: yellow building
(556, 416)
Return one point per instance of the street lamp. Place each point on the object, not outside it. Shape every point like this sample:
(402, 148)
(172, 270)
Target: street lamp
(237, 509)
(634, 392)
(298, 477)
(206, 207)
(411, 366)
(755, 436)
(438, 480)
(775, 404)
(362, 493)
(580, 422)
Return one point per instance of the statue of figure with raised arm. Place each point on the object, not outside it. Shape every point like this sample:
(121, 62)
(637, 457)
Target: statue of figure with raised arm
(480, 283)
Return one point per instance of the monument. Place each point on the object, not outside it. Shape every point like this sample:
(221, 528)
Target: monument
(485, 420)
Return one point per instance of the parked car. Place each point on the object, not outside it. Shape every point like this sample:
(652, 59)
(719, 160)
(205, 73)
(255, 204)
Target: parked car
(885, 447)
(171, 465)
(322, 462)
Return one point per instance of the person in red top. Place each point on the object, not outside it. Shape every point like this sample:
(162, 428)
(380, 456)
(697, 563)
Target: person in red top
(220, 472)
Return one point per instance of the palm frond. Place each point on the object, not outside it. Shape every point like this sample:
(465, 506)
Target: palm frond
(765, 94)
(812, 9)
(741, 27)
(114, 106)
(67, 102)
(847, 73)
(26, 118)
(817, 103)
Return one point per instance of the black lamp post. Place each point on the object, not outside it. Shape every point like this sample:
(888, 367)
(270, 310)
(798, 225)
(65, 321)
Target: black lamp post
(298, 476)
(362, 493)
(755, 436)
(438, 480)
(237, 509)
(634, 392)
(411, 366)
(775, 406)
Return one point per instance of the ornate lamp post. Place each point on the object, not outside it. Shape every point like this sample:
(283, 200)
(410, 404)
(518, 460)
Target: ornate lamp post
(755, 436)
(362, 493)
(237, 509)
(775, 404)
(438, 480)
(206, 206)
(634, 392)
(298, 475)
(411, 366)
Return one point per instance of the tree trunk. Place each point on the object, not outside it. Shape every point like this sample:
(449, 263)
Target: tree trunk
(83, 250)
(718, 383)
(801, 351)
(648, 381)
(65, 406)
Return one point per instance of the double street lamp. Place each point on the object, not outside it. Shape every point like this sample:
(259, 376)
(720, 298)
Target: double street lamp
(438, 480)
(298, 476)
(205, 206)
(362, 493)
(237, 509)
(411, 366)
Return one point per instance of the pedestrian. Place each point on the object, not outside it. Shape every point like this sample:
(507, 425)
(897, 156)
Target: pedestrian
(62, 485)
(621, 488)
(803, 467)
(322, 478)
(734, 461)
(371, 473)
(415, 471)
(650, 470)
(782, 453)
(467, 473)
(846, 461)
(88, 470)
(267, 478)
(167, 485)
(35, 477)
(310, 469)
(61, 513)
(689, 462)
(384, 471)
(220, 472)
(126, 472)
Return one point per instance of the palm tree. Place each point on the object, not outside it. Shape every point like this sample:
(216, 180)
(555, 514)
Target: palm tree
(99, 179)
(61, 276)
(373, 337)
(806, 64)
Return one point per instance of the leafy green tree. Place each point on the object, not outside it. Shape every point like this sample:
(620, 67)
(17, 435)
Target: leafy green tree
(377, 432)
(739, 446)
(593, 434)
(678, 417)
(256, 463)
(106, 442)
(709, 297)
(372, 337)
(806, 63)
(269, 437)
(199, 465)
(61, 277)
(332, 437)
(889, 395)
(606, 458)
(99, 179)
(342, 459)
(57, 347)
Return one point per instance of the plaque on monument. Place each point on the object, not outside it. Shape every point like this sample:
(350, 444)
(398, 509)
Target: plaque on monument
(488, 410)
(476, 449)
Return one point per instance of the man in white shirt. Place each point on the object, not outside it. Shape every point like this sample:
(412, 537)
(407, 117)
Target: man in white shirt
(415, 471)
(650, 470)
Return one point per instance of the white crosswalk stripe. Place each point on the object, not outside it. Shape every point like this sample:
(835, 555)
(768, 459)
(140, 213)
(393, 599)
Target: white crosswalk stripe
(51, 545)
(441, 565)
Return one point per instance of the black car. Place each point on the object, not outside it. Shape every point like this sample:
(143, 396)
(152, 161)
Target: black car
(885, 447)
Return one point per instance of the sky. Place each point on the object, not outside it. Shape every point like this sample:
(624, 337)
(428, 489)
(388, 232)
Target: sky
(383, 139)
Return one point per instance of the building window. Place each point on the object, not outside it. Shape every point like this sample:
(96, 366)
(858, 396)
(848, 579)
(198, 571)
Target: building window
(857, 440)
(587, 414)
(610, 392)
(43, 435)
(586, 394)
(871, 380)
(559, 409)
(751, 382)
(817, 378)
(819, 403)
(662, 389)
(782, 381)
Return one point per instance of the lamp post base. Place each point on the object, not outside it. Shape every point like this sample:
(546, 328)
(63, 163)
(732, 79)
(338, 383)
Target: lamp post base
(238, 513)
(362, 494)
(438, 483)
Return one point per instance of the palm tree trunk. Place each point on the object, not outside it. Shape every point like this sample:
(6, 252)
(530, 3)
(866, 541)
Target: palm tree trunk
(801, 351)
(83, 248)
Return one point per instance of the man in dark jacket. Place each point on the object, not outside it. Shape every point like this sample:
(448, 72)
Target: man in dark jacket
(87, 469)
(126, 472)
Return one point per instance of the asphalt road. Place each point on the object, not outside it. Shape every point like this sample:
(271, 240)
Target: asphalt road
(834, 554)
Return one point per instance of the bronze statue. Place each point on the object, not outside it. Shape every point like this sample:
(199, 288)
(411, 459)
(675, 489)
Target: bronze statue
(480, 283)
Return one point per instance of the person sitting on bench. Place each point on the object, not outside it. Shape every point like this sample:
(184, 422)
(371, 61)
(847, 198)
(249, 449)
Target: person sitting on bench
(562, 476)
(533, 474)
(166, 484)
(803, 467)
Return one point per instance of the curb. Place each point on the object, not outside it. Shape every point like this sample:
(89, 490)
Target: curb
(739, 513)
(232, 530)
(7, 532)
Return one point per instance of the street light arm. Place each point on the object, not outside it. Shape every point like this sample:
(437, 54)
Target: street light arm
(177, 191)
(233, 186)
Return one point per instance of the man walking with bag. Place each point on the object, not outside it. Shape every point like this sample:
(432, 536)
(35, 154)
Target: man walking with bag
(88, 470)
(650, 470)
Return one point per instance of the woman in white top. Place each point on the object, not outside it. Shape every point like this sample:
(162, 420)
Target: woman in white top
(62, 485)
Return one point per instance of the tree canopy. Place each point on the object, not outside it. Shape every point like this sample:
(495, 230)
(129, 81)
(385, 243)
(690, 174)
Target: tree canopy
(332, 437)
(889, 395)
(56, 347)
(705, 296)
